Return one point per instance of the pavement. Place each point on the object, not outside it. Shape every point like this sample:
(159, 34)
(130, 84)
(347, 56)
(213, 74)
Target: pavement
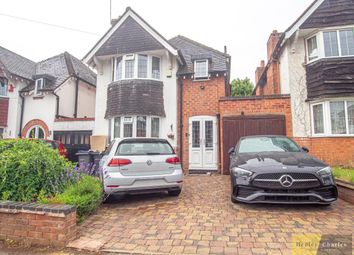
(203, 220)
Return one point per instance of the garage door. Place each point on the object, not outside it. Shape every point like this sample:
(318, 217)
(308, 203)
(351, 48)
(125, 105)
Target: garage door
(234, 127)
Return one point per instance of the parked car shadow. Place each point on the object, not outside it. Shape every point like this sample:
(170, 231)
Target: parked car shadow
(287, 207)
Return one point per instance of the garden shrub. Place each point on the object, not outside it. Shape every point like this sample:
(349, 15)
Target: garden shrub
(29, 168)
(86, 195)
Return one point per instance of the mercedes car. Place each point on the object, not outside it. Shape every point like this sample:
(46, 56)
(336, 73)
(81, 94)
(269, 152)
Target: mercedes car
(274, 169)
(140, 165)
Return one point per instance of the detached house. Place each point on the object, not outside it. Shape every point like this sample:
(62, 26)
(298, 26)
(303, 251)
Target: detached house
(51, 99)
(313, 62)
(148, 86)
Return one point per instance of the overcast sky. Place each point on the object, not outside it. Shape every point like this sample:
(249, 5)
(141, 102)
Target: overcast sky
(242, 25)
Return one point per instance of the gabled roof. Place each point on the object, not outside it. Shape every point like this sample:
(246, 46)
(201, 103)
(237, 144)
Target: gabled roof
(192, 50)
(16, 64)
(58, 69)
(123, 37)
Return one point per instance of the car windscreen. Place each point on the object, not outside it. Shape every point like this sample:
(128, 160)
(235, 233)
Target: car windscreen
(144, 148)
(267, 144)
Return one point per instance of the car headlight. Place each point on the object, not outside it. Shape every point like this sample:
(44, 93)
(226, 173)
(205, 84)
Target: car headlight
(326, 175)
(239, 172)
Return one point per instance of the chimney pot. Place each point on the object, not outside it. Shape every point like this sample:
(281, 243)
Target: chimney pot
(262, 63)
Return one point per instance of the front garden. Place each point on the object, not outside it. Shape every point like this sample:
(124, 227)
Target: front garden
(31, 171)
(345, 174)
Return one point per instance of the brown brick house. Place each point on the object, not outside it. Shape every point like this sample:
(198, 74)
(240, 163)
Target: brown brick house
(313, 61)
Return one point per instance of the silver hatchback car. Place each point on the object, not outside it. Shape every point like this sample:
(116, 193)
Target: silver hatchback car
(141, 165)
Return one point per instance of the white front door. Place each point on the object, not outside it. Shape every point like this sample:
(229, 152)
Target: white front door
(202, 143)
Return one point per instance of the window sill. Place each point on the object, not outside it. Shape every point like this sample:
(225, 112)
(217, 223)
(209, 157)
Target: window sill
(1, 96)
(332, 136)
(327, 58)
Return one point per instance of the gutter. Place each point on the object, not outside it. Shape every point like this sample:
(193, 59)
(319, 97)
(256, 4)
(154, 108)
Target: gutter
(57, 105)
(219, 140)
(76, 96)
(181, 122)
(21, 117)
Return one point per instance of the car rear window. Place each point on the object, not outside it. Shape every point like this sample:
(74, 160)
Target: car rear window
(144, 148)
(267, 144)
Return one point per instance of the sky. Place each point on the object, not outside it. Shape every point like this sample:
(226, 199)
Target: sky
(242, 25)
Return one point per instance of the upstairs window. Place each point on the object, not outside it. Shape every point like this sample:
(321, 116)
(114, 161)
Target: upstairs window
(330, 40)
(155, 72)
(142, 66)
(129, 66)
(329, 44)
(312, 48)
(3, 88)
(39, 86)
(201, 69)
(347, 42)
(119, 69)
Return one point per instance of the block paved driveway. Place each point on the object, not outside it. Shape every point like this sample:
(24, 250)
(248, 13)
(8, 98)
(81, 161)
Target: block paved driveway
(203, 220)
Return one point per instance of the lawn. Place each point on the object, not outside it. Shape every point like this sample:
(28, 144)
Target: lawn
(346, 174)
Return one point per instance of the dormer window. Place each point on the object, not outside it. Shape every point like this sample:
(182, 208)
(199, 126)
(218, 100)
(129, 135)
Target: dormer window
(137, 66)
(201, 69)
(39, 86)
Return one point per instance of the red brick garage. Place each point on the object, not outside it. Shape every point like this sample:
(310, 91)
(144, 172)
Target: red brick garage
(256, 115)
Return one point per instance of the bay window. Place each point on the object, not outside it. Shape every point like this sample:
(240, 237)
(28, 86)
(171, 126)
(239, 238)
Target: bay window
(135, 126)
(137, 66)
(333, 118)
(333, 43)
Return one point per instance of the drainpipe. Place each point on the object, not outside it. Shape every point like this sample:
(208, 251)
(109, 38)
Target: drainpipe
(57, 105)
(21, 116)
(76, 96)
(219, 139)
(181, 121)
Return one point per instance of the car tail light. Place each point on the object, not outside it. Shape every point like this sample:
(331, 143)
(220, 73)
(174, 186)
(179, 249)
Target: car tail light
(62, 150)
(119, 162)
(174, 160)
(112, 186)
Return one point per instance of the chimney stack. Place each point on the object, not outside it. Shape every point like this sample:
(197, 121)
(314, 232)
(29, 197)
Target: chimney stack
(259, 71)
(272, 42)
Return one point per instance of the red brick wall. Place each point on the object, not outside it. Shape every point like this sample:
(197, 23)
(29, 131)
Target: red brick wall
(199, 98)
(4, 109)
(37, 227)
(335, 151)
(256, 106)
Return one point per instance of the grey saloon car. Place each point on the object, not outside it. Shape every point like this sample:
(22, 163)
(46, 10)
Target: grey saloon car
(140, 165)
(274, 169)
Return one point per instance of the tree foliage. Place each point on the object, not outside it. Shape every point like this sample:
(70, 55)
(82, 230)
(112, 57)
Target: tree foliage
(241, 87)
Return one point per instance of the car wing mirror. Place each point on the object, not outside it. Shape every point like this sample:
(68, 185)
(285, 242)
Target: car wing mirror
(305, 149)
(231, 150)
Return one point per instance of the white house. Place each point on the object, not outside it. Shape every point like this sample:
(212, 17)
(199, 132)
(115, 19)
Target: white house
(136, 81)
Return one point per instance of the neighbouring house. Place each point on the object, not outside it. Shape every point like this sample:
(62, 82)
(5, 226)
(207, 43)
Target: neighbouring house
(145, 82)
(313, 62)
(51, 99)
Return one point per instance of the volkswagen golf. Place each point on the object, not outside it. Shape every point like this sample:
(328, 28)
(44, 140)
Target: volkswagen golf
(274, 169)
(140, 165)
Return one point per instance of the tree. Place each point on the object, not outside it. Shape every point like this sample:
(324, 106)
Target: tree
(241, 87)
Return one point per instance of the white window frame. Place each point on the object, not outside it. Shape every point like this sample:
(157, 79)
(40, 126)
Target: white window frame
(327, 118)
(2, 132)
(36, 132)
(321, 46)
(133, 120)
(136, 65)
(206, 75)
(36, 92)
(6, 88)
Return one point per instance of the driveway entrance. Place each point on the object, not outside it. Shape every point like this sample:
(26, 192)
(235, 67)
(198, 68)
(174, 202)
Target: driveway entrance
(203, 220)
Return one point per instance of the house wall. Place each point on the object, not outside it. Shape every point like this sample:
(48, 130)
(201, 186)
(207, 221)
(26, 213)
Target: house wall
(40, 108)
(14, 108)
(86, 101)
(168, 124)
(199, 98)
(255, 106)
(66, 93)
